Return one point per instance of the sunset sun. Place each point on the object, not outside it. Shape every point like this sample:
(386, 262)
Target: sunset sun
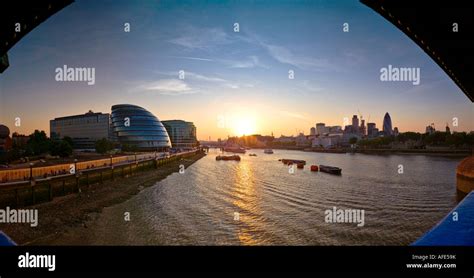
(244, 125)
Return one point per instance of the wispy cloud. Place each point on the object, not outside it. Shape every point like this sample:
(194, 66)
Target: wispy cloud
(193, 58)
(168, 87)
(201, 38)
(293, 115)
(203, 77)
(249, 62)
(310, 87)
(286, 56)
(198, 79)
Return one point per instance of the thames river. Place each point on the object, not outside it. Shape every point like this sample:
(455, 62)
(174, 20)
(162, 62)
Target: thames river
(257, 201)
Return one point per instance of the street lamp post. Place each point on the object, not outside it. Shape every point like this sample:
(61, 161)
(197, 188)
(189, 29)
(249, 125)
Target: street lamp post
(31, 171)
(112, 168)
(75, 165)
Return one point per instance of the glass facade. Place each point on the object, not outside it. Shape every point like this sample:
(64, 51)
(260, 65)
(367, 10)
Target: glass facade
(84, 129)
(134, 126)
(182, 134)
(387, 125)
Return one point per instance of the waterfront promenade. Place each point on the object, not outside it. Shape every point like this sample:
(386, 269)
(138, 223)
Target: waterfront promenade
(77, 209)
(43, 188)
(27, 173)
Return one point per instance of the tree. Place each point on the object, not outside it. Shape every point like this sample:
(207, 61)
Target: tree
(69, 140)
(457, 139)
(129, 148)
(103, 146)
(353, 140)
(470, 138)
(38, 143)
(62, 148)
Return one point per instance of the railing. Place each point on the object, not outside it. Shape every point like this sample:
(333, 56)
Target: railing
(27, 192)
(22, 174)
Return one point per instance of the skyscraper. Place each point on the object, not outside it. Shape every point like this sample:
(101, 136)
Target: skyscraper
(355, 124)
(320, 128)
(395, 131)
(371, 130)
(362, 128)
(387, 125)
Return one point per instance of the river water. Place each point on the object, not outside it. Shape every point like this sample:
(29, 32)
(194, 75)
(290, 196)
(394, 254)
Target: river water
(257, 201)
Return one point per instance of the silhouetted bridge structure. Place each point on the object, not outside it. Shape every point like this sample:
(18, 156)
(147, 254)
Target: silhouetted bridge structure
(431, 25)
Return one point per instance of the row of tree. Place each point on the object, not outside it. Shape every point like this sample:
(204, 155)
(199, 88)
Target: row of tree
(40, 144)
(104, 145)
(438, 138)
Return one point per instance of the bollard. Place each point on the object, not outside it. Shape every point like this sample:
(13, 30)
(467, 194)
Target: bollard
(33, 195)
(17, 198)
(50, 192)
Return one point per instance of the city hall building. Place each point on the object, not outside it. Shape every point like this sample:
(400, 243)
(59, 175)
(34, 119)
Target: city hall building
(135, 126)
(127, 125)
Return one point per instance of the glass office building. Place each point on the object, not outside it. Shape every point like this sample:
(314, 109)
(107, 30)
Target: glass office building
(134, 126)
(84, 129)
(182, 134)
(387, 125)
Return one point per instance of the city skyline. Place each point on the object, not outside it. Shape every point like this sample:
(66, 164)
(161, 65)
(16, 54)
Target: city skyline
(234, 82)
(341, 127)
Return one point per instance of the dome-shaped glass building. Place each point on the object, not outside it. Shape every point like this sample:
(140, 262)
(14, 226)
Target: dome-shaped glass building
(135, 126)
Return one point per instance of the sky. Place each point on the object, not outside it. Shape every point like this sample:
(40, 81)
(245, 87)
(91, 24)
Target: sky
(234, 82)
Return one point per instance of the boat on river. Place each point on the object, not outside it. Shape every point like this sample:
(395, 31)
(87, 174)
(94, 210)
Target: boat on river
(292, 161)
(234, 149)
(330, 169)
(228, 157)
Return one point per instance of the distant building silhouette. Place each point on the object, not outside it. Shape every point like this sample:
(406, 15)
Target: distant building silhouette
(355, 123)
(372, 131)
(430, 129)
(387, 125)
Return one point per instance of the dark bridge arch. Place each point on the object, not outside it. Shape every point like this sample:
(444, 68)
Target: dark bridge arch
(430, 26)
